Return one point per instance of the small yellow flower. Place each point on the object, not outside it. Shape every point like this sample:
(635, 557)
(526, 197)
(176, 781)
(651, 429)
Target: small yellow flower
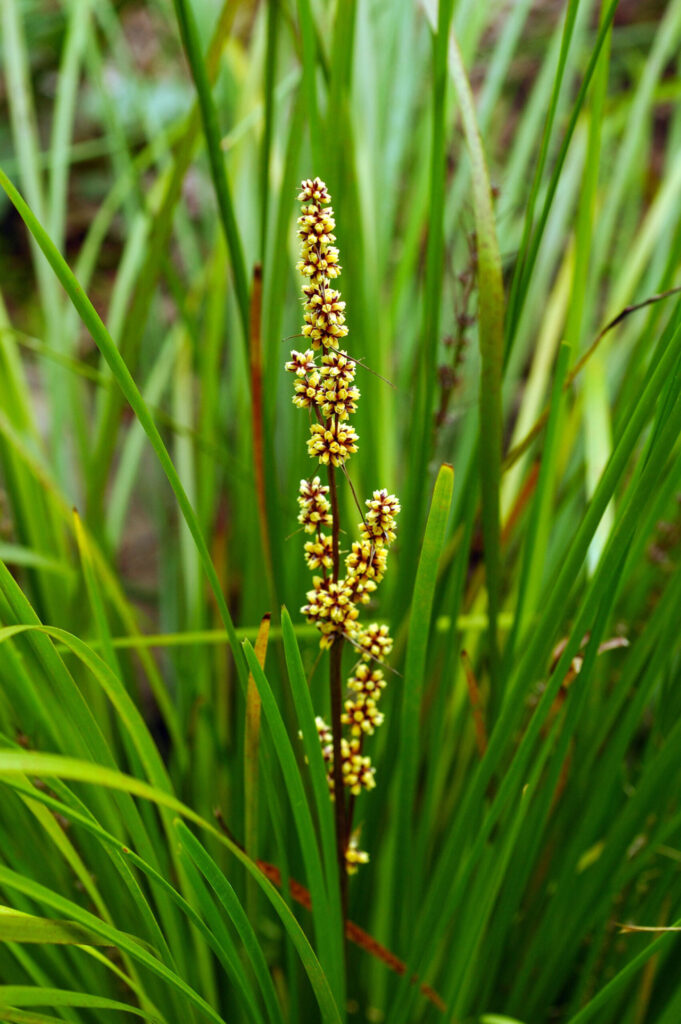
(357, 770)
(326, 741)
(318, 262)
(308, 391)
(315, 225)
(338, 394)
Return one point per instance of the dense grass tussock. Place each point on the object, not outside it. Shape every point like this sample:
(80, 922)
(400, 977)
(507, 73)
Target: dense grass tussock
(506, 187)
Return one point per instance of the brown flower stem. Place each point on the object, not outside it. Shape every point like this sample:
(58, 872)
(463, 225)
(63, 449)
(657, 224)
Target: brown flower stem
(335, 537)
(336, 685)
(339, 802)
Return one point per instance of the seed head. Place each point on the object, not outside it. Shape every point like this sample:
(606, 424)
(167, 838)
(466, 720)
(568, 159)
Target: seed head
(328, 388)
(333, 443)
(315, 510)
(365, 567)
(366, 683)
(358, 773)
(319, 552)
(375, 642)
(313, 189)
(330, 608)
(379, 524)
(301, 363)
(362, 715)
(324, 316)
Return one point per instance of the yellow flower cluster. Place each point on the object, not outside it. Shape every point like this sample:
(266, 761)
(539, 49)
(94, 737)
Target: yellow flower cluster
(358, 773)
(361, 709)
(325, 385)
(315, 510)
(330, 608)
(332, 443)
(379, 523)
(324, 316)
(318, 255)
(375, 642)
(319, 552)
(328, 388)
(331, 604)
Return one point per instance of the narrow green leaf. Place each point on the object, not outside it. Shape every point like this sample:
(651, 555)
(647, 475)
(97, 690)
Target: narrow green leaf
(20, 763)
(491, 341)
(301, 812)
(25, 995)
(19, 927)
(251, 762)
(229, 900)
(414, 683)
(212, 135)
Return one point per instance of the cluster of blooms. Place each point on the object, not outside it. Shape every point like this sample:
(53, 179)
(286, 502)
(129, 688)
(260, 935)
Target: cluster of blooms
(326, 387)
(358, 773)
(332, 603)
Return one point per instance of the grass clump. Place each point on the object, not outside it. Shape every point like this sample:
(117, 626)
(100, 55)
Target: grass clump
(506, 183)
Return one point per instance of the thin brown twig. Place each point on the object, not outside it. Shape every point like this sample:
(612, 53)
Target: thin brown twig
(354, 493)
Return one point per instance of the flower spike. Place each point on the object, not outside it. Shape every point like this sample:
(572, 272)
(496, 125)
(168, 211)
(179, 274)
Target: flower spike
(324, 384)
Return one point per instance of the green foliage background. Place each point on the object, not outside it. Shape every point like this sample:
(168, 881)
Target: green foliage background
(506, 181)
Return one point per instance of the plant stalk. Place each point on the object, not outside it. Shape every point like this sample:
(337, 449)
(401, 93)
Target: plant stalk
(336, 686)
